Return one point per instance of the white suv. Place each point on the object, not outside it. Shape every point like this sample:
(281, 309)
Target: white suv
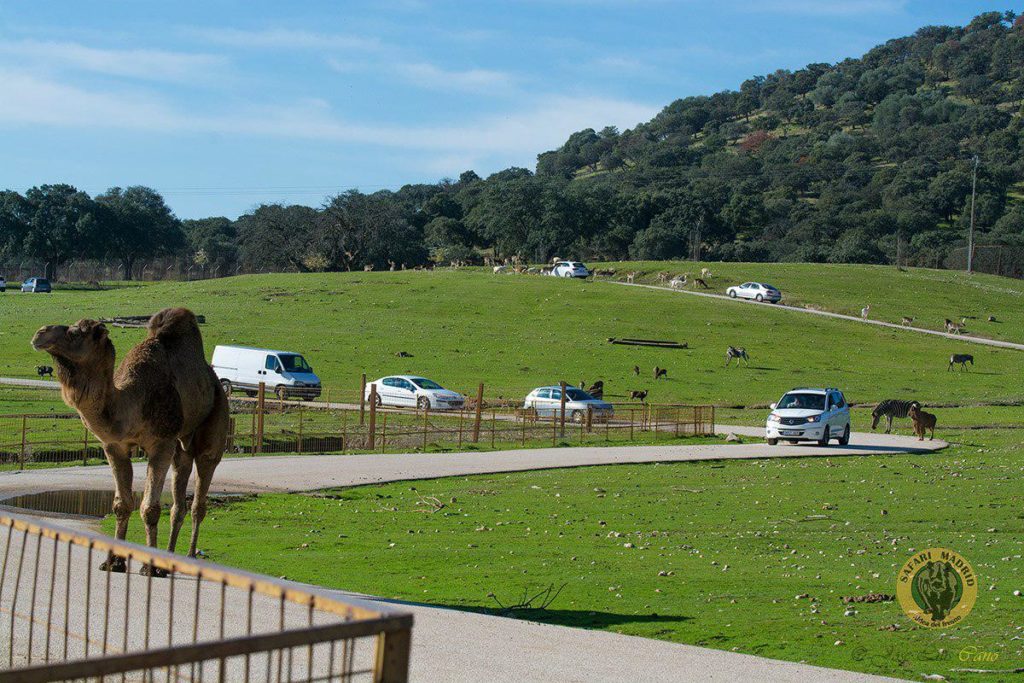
(810, 415)
(570, 269)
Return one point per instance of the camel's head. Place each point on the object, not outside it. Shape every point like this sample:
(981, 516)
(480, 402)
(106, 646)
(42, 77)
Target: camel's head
(84, 341)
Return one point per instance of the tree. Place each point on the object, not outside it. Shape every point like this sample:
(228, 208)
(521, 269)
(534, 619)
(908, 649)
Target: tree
(15, 222)
(357, 230)
(63, 222)
(138, 225)
(276, 237)
(217, 239)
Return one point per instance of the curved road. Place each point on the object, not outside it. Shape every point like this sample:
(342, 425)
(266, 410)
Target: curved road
(829, 314)
(501, 649)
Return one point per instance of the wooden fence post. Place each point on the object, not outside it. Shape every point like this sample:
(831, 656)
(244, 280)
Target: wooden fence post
(299, 442)
(426, 422)
(373, 417)
(479, 407)
(362, 399)
(384, 433)
(261, 397)
(24, 430)
(85, 446)
(561, 409)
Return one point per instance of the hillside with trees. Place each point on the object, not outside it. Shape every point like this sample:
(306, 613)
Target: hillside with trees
(871, 160)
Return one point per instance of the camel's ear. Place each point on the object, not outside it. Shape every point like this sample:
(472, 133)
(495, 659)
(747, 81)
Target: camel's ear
(99, 332)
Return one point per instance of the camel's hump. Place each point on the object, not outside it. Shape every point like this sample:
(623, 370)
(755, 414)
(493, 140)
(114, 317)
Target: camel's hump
(173, 322)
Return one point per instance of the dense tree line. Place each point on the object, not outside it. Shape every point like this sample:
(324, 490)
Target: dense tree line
(851, 162)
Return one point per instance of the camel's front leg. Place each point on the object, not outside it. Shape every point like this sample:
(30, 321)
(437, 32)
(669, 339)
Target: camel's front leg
(179, 488)
(160, 457)
(120, 462)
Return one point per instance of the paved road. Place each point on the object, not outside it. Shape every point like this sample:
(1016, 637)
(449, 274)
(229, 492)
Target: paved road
(507, 649)
(829, 314)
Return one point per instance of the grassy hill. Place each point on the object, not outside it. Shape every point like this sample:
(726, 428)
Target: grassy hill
(518, 332)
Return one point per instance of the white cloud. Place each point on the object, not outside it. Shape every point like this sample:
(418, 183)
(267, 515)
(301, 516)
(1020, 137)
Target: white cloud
(156, 65)
(286, 39)
(518, 134)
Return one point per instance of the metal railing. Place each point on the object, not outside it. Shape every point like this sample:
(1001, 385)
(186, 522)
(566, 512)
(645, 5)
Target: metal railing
(63, 616)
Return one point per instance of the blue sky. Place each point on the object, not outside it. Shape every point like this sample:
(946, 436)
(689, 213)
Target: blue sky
(223, 105)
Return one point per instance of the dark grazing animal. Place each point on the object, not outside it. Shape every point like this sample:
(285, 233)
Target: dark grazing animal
(737, 352)
(962, 358)
(660, 372)
(636, 370)
(44, 370)
(922, 422)
(638, 395)
(699, 282)
(596, 389)
(890, 408)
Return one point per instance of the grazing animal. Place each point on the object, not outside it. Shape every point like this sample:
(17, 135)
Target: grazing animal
(992, 319)
(864, 312)
(596, 389)
(889, 409)
(660, 372)
(678, 282)
(368, 267)
(663, 277)
(391, 265)
(700, 282)
(636, 370)
(962, 358)
(164, 398)
(404, 354)
(630, 277)
(499, 269)
(922, 422)
(705, 273)
(638, 395)
(907, 320)
(954, 328)
(44, 370)
(737, 352)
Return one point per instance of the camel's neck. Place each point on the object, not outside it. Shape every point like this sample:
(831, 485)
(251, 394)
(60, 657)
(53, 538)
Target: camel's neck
(88, 388)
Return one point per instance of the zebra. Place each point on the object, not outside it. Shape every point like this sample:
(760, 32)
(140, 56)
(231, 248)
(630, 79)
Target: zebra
(890, 408)
(737, 352)
(962, 358)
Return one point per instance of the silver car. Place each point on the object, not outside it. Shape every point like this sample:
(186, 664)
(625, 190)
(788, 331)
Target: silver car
(36, 284)
(547, 401)
(756, 291)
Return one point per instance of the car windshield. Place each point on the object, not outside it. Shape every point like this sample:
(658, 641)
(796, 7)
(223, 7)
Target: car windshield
(803, 401)
(574, 394)
(293, 362)
(424, 383)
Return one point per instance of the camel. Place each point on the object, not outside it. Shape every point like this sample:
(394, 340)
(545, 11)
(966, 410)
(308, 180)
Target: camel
(164, 398)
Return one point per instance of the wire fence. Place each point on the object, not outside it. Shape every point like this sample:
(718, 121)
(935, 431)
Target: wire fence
(74, 605)
(40, 429)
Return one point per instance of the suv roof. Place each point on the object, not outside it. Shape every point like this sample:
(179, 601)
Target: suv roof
(812, 390)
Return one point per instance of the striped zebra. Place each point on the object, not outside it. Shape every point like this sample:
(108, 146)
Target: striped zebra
(890, 408)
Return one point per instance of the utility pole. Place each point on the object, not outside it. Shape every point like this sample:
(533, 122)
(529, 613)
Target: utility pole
(970, 234)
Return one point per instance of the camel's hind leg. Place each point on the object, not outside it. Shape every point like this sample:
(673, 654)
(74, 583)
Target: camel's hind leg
(182, 470)
(124, 500)
(208, 448)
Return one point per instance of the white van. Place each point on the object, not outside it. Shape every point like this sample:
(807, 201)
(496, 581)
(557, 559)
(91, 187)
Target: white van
(286, 374)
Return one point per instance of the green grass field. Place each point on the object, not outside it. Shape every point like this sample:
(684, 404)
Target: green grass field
(713, 554)
(518, 332)
(929, 296)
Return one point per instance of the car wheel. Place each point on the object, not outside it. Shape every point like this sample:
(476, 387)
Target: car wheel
(773, 442)
(759, 298)
(732, 293)
(844, 440)
(250, 393)
(577, 416)
(281, 393)
(793, 442)
(376, 401)
(423, 403)
(225, 384)
(824, 438)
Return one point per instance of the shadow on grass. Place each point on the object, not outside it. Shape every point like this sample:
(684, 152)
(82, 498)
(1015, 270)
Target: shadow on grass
(570, 617)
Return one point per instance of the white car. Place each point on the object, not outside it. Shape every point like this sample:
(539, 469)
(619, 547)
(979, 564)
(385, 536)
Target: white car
(570, 269)
(809, 415)
(415, 392)
(756, 291)
(547, 401)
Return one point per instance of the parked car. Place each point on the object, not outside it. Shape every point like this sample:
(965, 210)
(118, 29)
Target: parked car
(3, 285)
(758, 291)
(36, 285)
(569, 269)
(810, 415)
(285, 373)
(547, 401)
(415, 392)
